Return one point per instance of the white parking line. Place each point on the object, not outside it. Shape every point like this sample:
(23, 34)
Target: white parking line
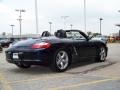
(41, 78)
(83, 84)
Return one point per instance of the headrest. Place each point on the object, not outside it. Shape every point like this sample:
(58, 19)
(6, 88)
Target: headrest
(60, 34)
(46, 34)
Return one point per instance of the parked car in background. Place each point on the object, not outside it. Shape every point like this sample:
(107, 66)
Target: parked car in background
(58, 51)
(5, 42)
(1, 49)
(101, 37)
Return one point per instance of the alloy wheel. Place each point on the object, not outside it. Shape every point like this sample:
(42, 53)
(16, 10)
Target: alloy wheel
(62, 60)
(102, 54)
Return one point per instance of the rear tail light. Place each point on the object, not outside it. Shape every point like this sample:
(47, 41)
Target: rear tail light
(41, 45)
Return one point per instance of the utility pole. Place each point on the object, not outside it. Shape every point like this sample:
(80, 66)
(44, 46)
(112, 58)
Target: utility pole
(50, 26)
(85, 16)
(20, 19)
(36, 15)
(100, 25)
(71, 25)
(64, 18)
(119, 25)
(12, 29)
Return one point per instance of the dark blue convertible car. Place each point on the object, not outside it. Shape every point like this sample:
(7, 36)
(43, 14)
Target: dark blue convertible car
(56, 51)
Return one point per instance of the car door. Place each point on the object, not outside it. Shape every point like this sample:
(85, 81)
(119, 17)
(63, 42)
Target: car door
(90, 48)
(84, 47)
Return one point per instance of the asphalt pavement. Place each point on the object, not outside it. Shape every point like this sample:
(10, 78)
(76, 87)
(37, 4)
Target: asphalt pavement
(83, 75)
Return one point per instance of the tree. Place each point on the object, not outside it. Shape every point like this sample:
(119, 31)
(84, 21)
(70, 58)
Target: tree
(4, 33)
(89, 33)
(95, 34)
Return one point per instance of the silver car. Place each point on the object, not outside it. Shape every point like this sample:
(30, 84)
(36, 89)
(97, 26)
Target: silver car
(101, 37)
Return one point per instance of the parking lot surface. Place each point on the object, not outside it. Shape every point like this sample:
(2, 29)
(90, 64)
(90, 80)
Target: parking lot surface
(82, 75)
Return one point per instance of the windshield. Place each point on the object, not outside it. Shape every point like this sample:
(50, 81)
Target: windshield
(74, 35)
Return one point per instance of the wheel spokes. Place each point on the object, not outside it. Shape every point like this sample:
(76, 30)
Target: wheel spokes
(62, 60)
(102, 54)
(63, 55)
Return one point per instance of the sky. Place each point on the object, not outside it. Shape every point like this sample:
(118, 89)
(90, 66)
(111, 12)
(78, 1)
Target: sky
(53, 10)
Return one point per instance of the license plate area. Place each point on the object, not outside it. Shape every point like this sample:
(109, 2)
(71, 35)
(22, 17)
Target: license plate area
(15, 56)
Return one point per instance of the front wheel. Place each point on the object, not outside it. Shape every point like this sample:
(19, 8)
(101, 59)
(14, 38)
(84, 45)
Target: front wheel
(60, 61)
(22, 65)
(102, 53)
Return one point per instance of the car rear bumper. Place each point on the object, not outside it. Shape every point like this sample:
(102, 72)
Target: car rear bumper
(33, 57)
(31, 62)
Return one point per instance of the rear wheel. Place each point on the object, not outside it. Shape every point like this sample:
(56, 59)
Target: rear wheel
(101, 57)
(22, 65)
(61, 61)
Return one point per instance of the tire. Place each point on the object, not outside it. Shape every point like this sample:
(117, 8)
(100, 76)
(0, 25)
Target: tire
(22, 65)
(102, 53)
(61, 61)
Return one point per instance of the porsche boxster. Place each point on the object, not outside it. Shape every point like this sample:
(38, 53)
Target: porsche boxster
(56, 51)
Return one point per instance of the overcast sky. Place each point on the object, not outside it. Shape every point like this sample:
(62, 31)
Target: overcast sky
(52, 10)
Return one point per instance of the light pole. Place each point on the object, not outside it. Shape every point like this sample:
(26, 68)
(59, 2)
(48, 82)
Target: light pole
(36, 15)
(119, 30)
(50, 25)
(100, 26)
(118, 25)
(85, 15)
(20, 18)
(71, 25)
(64, 18)
(12, 29)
